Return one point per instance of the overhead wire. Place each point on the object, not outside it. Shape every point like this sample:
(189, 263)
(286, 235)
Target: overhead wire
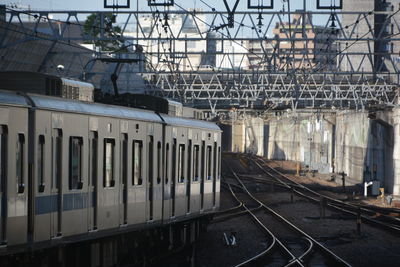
(210, 29)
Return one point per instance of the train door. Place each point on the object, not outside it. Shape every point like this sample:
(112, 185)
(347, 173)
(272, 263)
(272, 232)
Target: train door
(56, 189)
(189, 176)
(92, 181)
(150, 164)
(195, 188)
(3, 184)
(203, 174)
(124, 181)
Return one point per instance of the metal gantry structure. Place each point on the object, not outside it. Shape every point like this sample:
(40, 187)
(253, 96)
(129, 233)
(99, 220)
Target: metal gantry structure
(257, 58)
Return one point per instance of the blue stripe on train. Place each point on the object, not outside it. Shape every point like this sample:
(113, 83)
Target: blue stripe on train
(73, 201)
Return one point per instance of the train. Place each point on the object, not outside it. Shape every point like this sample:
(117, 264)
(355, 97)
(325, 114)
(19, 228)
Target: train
(75, 170)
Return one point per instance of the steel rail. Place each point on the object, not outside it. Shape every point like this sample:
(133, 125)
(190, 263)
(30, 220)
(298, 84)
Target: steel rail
(369, 209)
(275, 240)
(280, 217)
(334, 203)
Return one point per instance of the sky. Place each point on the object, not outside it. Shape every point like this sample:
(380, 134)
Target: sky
(141, 5)
(98, 4)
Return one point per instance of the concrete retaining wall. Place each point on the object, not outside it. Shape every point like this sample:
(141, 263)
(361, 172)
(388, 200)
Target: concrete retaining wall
(350, 142)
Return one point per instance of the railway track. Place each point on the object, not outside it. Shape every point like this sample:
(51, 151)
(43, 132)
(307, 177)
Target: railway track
(377, 216)
(291, 247)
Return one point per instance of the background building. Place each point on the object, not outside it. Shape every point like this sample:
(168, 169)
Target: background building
(302, 45)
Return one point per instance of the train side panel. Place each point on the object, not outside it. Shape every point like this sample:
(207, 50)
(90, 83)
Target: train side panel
(154, 173)
(180, 179)
(14, 178)
(195, 197)
(42, 180)
(136, 180)
(168, 177)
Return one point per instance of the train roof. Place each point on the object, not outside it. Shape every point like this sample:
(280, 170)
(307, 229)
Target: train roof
(12, 99)
(63, 104)
(185, 122)
(67, 105)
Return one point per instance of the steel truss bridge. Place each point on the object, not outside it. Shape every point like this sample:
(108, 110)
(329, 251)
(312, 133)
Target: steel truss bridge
(257, 58)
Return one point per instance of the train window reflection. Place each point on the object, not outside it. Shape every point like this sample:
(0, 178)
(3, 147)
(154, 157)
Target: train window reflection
(159, 163)
(189, 162)
(219, 163)
(173, 162)
(108, 167)
(150, 159)
(137, 163)
(57, 158)
(215, 161)
(75, 162)
(181, 163)
(196, 163)
(40, 162)
(3, 155)
(209, 160)
(124, 158)
(20, 162)
(166, 163)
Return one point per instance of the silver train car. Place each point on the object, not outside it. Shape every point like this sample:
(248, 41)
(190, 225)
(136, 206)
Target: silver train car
(73, 170)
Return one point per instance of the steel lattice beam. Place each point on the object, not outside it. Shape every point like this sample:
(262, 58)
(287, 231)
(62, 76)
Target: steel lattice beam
(260, 69)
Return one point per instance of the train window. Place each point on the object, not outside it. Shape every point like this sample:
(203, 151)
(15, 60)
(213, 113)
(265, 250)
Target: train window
(137, 162)
(196, 163)
(209, 160)
(166, 163)
(3, 156)
(124, 157)
(181, 163)
(57, 148)
(203, 166)
(215, 161)
(173, 161)
(150, 159)
(93, 157)
(219, 163)
(159, 163)
(189, 162)
(108, 167)
(40, 164)
(20, 162)
(75, 162)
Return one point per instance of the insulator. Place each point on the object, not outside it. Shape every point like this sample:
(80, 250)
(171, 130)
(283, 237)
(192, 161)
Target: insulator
(260, 18)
